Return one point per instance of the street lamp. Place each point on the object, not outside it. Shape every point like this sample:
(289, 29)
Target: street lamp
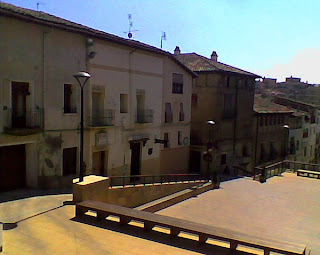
(82, 78)
(285, 145)
(208, 152)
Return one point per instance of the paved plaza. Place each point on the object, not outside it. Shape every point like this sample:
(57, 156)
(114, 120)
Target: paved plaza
(285, 208)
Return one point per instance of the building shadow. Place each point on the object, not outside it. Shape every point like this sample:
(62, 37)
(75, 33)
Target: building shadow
(155, 236)
(13, 195)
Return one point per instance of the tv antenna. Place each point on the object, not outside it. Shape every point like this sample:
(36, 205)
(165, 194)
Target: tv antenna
(129, 32)
(163, 37)
(38, 3)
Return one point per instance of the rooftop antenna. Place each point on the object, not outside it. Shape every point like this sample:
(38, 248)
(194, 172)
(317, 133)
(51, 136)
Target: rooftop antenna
(129, 32)
(163, 37)
(38, 3)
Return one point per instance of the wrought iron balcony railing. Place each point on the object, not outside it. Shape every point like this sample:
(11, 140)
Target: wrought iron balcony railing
(145, 116)
(102, 118)
(31, 118)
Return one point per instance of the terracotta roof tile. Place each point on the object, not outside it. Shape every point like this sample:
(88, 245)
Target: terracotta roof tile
(265, 105)
(200, 63)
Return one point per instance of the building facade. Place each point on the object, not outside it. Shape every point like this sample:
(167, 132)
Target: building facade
(222, 95)
(124, 105)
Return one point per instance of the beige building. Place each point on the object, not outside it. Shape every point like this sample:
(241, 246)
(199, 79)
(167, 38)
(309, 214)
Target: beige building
(224, 95)
(132, 87)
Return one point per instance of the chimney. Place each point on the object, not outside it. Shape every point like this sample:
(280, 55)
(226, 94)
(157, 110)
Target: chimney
(214, 56)
(177, 50)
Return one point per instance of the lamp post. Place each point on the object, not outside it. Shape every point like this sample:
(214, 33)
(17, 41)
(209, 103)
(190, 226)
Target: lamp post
(82, 78)
(210, 123)
(285, 143)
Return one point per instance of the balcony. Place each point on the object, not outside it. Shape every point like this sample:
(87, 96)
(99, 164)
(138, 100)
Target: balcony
(23, 121)
(144, 116)
(102, 118)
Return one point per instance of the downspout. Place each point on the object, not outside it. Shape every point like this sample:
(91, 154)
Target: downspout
(235, 121)
(130, 85)
(256, 142)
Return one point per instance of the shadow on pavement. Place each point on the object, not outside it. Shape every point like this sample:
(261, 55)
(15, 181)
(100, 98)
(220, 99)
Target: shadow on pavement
(27, 193)
(154, 236)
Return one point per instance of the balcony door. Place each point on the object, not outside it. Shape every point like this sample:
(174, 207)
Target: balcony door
(135, 158)
(19, 92)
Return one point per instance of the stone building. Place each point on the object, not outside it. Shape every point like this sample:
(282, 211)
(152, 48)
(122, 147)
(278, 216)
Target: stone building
(270, 131)
(223, 95)
(126, 102)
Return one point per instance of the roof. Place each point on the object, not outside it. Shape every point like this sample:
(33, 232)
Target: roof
(57, 22)
(265, 105)
(200, 63)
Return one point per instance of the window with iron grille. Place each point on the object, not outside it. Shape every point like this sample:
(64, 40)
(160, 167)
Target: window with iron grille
(179, 137)
(166, 137)
(177, 83)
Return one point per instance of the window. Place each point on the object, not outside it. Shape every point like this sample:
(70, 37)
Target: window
(168, 117)
(305, 152)
(179, 137)
(166, 137)
(194, 100)
(305, 133)
(297, 146)
(229, 111)
(261, 121)
(177, 83)
(123, 103)
(69, 99)
(181, 113)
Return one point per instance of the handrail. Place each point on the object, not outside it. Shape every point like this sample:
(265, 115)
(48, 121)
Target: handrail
(123, 180)
(277, 168)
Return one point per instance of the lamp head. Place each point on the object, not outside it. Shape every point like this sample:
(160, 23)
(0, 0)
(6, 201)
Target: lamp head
(210, 122)
(82, 78)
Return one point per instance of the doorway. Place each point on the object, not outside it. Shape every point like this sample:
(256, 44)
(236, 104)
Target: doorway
(12, 167)
(135, 158)
(69, 161)
(19, 92)
(99, 163)
(195, 161)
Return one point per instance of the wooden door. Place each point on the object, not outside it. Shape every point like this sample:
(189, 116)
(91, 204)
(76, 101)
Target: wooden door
(135, 159)
(12, 167)
(69, 161)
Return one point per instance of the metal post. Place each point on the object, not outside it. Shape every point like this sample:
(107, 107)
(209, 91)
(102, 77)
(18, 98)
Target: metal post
(81, 139)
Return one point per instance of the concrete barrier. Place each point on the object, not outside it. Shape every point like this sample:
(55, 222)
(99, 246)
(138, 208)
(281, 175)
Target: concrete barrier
(97, 188)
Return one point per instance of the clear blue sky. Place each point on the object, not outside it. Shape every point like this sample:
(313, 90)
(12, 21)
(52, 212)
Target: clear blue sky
(273, 38)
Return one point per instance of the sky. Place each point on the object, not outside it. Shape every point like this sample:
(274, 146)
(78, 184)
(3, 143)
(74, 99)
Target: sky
(272, 38)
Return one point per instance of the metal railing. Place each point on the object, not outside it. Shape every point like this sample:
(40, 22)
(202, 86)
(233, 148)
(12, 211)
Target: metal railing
(144, 116)
(102, 118)
(133, 180)
(29, 118)
(283, 166)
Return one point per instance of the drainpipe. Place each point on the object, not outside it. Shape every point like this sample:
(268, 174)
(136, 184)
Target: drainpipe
(130, 85)
(235, 121)
(256, 143)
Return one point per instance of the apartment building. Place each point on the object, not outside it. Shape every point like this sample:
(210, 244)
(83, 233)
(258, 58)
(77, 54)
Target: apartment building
(223, 95)
(304, 130)
(126, 103)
